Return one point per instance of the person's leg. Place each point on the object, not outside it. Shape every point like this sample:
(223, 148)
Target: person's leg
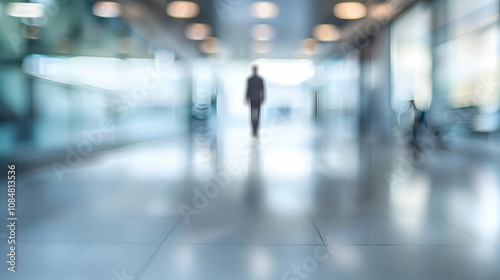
(257, 121)
(254, 118)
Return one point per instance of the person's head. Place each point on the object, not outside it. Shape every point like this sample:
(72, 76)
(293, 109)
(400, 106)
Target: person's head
(254, 69)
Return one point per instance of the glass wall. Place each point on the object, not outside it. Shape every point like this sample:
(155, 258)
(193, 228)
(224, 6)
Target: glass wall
(444, 55)
(411, 59)
(467, 64)
(65, 72)
(338, 82)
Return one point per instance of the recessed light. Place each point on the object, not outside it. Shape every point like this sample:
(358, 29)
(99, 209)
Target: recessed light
(183, 9)
(107, 9)
(198, 31)
(349, 10)
(326, 32)
(24, 10)
(264, 10)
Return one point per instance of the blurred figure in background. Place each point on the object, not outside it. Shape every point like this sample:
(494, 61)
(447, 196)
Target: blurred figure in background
(412, 119)
(255, 95)
(417, 119)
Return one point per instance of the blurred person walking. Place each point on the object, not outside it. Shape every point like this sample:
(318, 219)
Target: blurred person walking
(411, 119)
(417, 120)
(255, 95)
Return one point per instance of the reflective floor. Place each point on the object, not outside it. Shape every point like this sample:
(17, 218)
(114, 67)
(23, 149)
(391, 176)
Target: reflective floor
(298, 203)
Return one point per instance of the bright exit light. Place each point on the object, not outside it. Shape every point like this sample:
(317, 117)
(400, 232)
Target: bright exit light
(107, 9)
(264, 10)
(349, 10)
(198, 31)
(286, 71)
(262, 32)
(326, 32)
(24, 10)
(183, 9)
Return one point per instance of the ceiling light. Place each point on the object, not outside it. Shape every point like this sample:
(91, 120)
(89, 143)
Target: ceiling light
(261, 47)
(183, 9)
(264, 10)
(24, 10)
(198, 31)
(209, 45)
(326, 32)
(107, 9)
(349, 10)
(262, 32)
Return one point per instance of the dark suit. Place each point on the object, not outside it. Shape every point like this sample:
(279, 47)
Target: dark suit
(255, 94)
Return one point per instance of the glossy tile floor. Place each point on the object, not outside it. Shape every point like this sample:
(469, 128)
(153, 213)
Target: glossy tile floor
(298, 203)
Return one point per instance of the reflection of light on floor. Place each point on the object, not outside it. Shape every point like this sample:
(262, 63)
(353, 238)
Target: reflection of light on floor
(157, 206)
(261, 263)
(203, 157)
(289, 200)
(408, 202)
(341, 159)
(185, 259)
(286, 71)
(154, 163)
(288, 162)
(487, 215)
(288, 172)
(348, 258)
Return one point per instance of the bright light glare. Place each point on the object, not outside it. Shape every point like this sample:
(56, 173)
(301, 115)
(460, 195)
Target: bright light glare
(416, 58)
(289, 163)
(286, 71)
(183, 9)
(264, 10)
(24, 10)
(107, 9)
(326, 32)
(349, 10)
